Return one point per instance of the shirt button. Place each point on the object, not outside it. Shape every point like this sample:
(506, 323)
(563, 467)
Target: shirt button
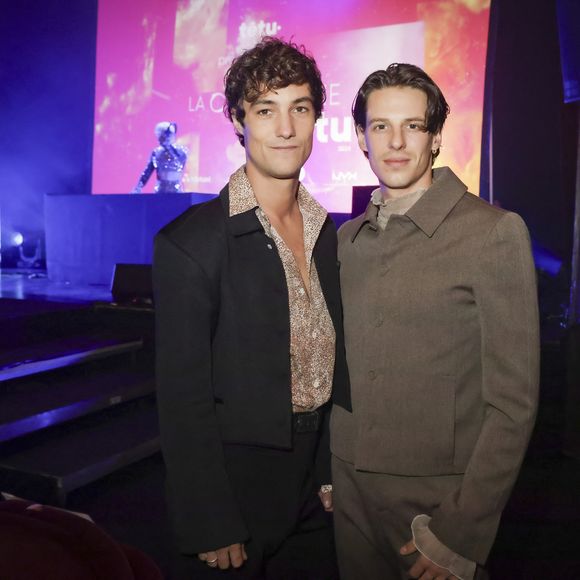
(372, 375)
(301, 291)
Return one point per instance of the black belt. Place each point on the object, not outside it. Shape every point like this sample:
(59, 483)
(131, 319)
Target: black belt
(307, 422)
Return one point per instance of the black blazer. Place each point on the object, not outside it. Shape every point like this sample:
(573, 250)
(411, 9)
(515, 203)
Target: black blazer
(223, 362)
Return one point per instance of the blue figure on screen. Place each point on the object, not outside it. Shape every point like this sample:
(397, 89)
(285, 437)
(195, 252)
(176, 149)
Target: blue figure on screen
(168, 160)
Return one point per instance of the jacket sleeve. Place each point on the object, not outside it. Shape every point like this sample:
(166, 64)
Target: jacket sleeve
(201, 501)
(506, 298)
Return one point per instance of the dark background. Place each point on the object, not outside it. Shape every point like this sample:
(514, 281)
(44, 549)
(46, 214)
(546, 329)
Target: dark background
(47, 80)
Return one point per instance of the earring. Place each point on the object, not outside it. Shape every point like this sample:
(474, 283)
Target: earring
(434, 151)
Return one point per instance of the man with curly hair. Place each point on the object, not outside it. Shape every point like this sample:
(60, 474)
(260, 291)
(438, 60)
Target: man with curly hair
(249, 341)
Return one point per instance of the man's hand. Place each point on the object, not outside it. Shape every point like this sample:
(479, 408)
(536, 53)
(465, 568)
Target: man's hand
(325, 495)
(234, 555)
(423, 568)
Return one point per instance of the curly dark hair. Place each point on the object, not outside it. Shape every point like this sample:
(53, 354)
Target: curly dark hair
(403, 75)
(272, 64)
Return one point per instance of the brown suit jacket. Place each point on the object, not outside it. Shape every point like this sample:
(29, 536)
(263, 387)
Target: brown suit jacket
(441, 330)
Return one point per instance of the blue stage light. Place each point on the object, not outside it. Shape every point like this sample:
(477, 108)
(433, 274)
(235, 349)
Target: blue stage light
(546, 260)
(17, 239)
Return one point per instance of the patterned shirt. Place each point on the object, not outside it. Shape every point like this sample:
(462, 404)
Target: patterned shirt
(312, 336)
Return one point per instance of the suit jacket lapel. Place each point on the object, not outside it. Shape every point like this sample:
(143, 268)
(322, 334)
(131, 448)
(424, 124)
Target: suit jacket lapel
(443, 195)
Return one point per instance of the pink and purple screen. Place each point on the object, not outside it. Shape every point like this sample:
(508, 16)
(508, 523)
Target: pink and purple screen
(164, 60)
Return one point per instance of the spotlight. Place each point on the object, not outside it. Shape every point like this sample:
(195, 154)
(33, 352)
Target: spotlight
(17, 239)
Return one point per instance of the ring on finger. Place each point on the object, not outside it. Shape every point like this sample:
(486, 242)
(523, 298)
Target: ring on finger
(209, 562)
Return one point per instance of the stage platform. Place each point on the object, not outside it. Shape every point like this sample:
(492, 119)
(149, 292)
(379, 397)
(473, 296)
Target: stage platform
(33, 287)
(86, 235)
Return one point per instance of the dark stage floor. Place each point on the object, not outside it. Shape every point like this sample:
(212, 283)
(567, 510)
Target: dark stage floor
(539, 537)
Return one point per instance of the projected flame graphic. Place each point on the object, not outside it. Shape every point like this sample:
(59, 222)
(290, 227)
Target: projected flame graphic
(163, 60)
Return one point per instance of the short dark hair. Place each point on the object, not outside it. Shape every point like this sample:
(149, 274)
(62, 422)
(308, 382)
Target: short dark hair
(403, 75)
(272, 64)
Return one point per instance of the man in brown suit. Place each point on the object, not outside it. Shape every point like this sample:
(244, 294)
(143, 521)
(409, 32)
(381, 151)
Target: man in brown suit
(441, 332)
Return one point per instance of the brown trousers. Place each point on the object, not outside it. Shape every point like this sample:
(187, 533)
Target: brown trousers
(372, 519)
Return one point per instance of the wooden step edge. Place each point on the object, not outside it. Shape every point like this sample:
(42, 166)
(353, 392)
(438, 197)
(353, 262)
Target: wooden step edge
(49, 418)
(41, 366)
(53, 489)
(117, 461)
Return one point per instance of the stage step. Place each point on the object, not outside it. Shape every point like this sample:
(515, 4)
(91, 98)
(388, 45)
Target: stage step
(26, 322)
(32, 404)
(45, 466)
(61, 352)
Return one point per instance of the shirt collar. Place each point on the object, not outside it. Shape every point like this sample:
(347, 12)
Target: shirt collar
(242, 199)
(431, 209)
(396, 204)
(242, 196)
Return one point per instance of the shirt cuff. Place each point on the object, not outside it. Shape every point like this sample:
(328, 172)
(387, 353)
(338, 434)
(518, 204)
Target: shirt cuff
(428, 544)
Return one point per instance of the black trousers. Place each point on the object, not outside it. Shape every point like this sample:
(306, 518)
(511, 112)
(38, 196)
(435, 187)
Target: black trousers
(291, 534)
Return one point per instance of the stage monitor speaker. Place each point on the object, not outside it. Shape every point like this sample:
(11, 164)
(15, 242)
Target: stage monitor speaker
(132, 284)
